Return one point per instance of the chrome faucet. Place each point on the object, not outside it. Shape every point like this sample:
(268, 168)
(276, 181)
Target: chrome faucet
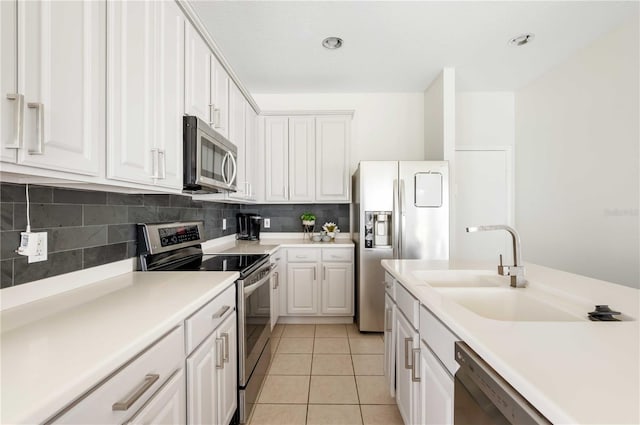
(516, 272)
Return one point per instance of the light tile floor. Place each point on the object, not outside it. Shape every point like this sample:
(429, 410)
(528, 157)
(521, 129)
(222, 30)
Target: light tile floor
(325, 375)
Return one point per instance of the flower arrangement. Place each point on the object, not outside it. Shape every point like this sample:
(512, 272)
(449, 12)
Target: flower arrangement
(331, 229)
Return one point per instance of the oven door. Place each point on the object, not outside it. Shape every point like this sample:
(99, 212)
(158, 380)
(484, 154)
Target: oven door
(254, 323)
(216, 162)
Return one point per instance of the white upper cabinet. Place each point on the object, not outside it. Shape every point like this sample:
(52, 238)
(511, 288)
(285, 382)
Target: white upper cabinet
(315, 166)
(276, 158)
(58, 64)
(220, 98)
(332, 157)
(145, 92)
(302, 144)
(237, 135)
(198, 76)
(251, 151)
(10, 100)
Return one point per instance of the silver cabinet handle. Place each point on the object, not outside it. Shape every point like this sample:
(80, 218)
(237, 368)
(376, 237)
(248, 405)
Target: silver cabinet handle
(39, 107)
(154, 164)
(212, 117)
(19, 111)
(225, 342)
(314, 273)
(148, 382)
(216, 118)
(277, 285)
(162, 163)
(416, 365)
(219, 354)
(406, 352)
(388, 327)
(324, 272)
(221, 312)
(301, 256)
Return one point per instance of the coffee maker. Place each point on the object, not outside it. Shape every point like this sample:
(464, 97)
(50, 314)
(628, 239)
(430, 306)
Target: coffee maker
(248, 226)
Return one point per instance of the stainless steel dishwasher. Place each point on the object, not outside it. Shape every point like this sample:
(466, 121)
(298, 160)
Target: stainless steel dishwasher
(482, 397)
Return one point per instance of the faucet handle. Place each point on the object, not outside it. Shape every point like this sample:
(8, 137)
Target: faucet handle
(503, 270)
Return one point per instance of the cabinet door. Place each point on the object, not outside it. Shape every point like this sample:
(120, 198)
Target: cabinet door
(302, 288)
(220, 99)
(202, 388)
(389, 344)
(436, 387)
(167, 406)
(198, 76)
(131, 154)
(276, 158)
(228, 376)
(302, 158)
(61, 71)
(237, 135)
(333, 135)
(406, 389)
(170, 93)
(9, 107)
(337, 288)
(251, 150)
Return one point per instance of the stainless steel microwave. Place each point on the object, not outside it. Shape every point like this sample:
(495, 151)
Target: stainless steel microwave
(210, 160)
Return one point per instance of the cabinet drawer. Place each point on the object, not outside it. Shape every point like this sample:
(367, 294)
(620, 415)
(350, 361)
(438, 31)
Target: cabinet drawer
(390, 286)
(205, 320)
(439, 338)
(408, 305)
(131, 386)
(303, 255)
(337, 254)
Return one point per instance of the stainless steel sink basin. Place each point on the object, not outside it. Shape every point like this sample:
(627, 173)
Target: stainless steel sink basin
(460, 278)
(509, 304)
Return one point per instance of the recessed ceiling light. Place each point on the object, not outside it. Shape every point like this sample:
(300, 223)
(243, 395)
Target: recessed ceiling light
(521, 40)
(332, 43)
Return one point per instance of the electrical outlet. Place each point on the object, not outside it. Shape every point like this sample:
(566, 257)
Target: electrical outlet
(41, 248)
(267, 223)
(224, 224)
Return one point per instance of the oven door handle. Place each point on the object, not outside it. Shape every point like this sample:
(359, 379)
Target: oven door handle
(248, 290)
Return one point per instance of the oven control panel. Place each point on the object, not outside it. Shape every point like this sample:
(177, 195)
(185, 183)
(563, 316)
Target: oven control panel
(154, 238)
(176, 235)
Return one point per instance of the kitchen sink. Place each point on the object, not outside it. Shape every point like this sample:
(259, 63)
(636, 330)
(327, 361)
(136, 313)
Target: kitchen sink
(509, 304)
(460, 278)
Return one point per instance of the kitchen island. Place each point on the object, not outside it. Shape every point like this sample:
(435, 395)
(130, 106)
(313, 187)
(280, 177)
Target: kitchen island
(571, 369)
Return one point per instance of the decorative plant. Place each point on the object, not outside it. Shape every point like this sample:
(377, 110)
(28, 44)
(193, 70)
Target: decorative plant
(330, 227)
(307, 217)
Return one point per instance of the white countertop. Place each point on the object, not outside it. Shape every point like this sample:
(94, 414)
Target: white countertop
(269, 245)
(572, 372)
(55, 349)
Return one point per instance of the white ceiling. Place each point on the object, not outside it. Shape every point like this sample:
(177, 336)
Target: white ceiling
(397, 46)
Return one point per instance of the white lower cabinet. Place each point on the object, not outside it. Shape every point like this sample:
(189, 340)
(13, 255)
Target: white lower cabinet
(407, 381)
(436, 387)
(302, 283)
(212, 377)
(319, 282)
(167, 407)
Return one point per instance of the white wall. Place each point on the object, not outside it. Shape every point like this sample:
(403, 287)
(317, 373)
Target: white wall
(577, 161)
(485, 119)
(440, 117)
(385, 125)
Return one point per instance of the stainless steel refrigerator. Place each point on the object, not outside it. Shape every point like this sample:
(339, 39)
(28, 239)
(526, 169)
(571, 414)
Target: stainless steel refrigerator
(400, 210)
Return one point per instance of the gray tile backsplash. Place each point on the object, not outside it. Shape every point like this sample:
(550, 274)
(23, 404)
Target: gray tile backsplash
(90, 228)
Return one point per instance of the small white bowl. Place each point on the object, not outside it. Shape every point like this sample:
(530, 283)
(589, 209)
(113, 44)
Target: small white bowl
(316, 238)
(326, 238)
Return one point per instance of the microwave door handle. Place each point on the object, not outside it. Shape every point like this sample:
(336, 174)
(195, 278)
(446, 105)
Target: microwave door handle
(235, 169)
(223, 166)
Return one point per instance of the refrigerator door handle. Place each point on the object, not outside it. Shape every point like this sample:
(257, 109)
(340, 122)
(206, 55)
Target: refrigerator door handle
(401, 217)
(396, 221)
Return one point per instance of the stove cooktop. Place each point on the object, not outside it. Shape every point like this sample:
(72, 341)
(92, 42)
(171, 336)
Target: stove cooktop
(244, 264)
